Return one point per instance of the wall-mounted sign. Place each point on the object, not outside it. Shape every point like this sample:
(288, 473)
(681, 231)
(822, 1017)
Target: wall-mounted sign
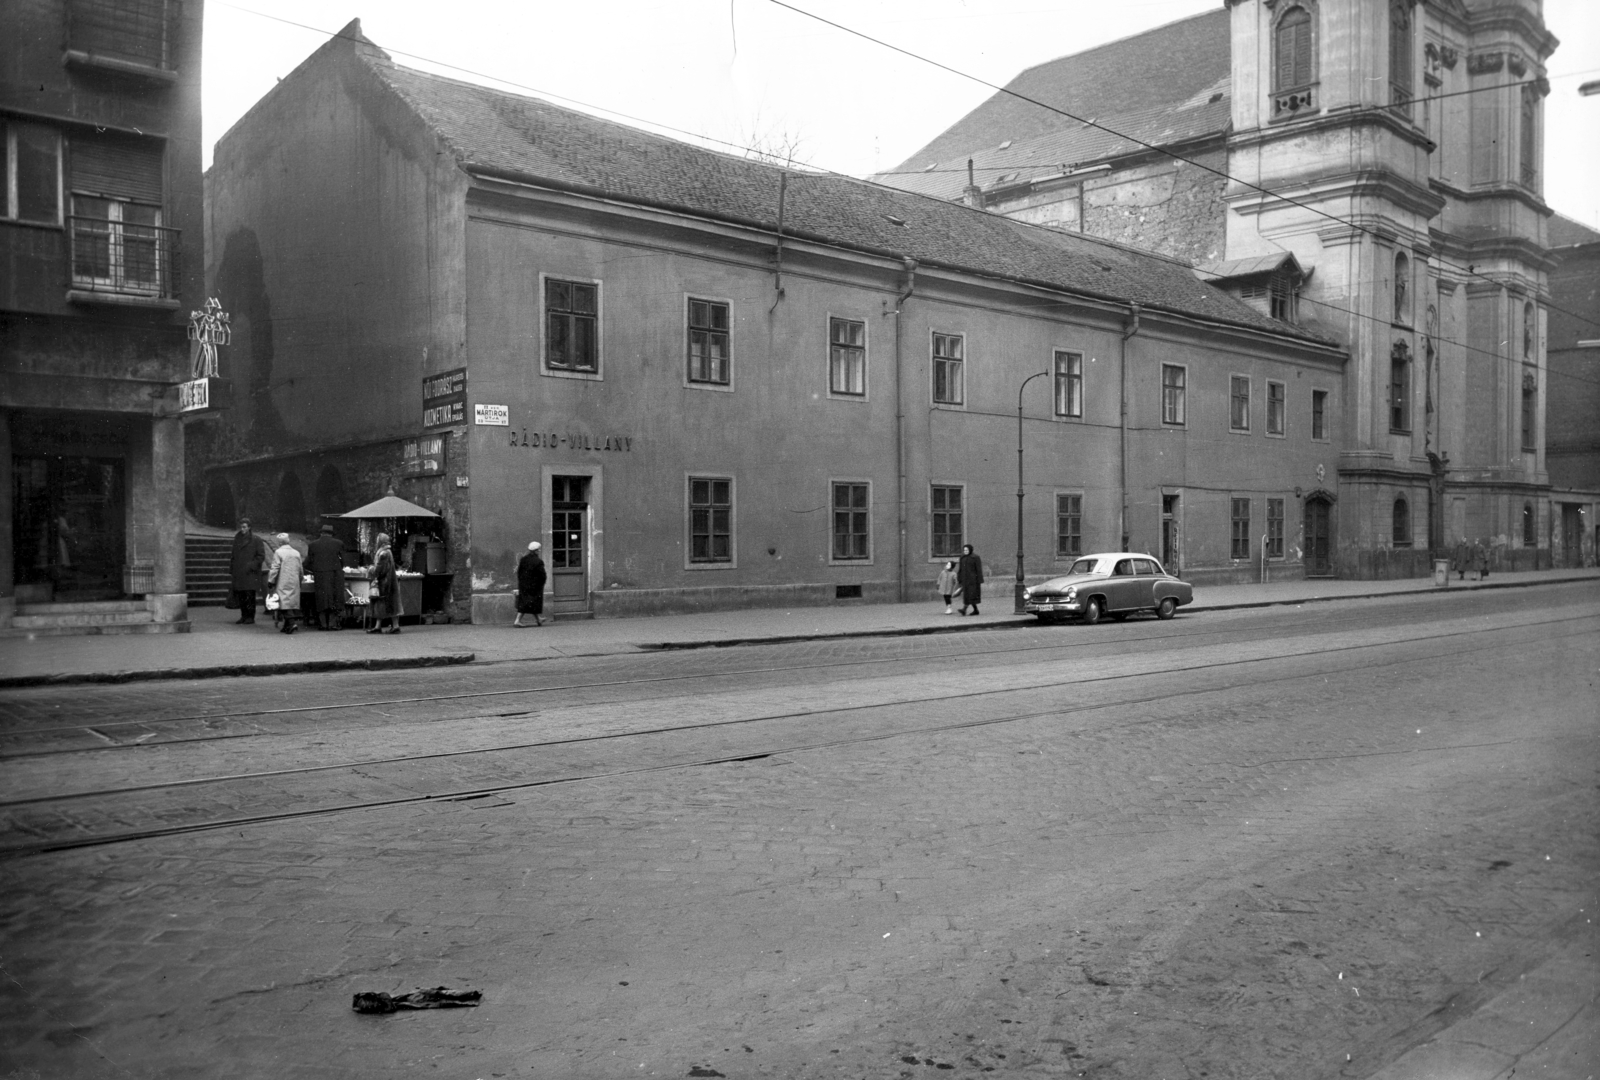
(444, 399)
(492, 415)
(571, 440)
(199, 395)
(208, 328)
(423, 457)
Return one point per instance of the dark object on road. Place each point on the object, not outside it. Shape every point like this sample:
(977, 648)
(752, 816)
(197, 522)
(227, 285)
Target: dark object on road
(438, 998)
(1117, 584)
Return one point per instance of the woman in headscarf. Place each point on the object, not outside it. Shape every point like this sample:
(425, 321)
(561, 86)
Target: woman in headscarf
(530, 586)
(385, 589)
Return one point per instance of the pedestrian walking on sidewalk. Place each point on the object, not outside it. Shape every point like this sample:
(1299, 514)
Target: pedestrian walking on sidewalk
(970, 575)
(531, 577)
(1481, 555)
(946, 585)
(1462, 559)
(245, 567)
(284, 574)
(325, 560)
(385, 589)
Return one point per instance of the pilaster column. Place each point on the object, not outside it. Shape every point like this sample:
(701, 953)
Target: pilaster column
(8, 591)
(169, 601)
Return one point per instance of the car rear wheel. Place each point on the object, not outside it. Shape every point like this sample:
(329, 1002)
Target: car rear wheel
(1091, 610)
(1167, 608)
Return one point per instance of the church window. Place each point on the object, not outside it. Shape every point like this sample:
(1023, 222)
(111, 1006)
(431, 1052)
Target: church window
(1401, 535)
(1528, 537)
(1292, 48)
(1400, 56)
(1400, 388)
(1530, 399)
(1527, 331)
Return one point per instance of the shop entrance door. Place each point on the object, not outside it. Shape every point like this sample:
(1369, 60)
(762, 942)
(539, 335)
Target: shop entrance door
(68, 527)
(1572, 533)
(569, 542)
(1318, 541)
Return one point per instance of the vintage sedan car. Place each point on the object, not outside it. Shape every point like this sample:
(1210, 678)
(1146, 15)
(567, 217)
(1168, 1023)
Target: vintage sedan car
(1116, 583)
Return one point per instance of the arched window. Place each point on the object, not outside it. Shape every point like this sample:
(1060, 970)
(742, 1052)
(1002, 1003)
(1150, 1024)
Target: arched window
(1402, 288)
(330, 492)
(1402, 522)
(1530, 409)
(1400, 387)
(1400, 56)
(1528, 320)
(1292, 55)
(1527, 525)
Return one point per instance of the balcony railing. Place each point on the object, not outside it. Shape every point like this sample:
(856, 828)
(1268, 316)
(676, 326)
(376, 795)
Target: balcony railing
(1301, 101)
(134, 32)
(119, 260)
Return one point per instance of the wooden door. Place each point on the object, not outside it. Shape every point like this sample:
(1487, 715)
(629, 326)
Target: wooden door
(1318, 541)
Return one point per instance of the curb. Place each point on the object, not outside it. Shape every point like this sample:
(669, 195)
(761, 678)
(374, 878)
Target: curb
(228, 671)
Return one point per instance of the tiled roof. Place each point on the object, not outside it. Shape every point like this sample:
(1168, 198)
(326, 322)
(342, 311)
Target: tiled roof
(491, 131)
(1238, 268)
(1563, 231)
(1019, 162)
(1159, 69)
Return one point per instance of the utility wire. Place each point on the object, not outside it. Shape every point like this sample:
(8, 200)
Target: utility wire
(1469, 270)
(826, 172)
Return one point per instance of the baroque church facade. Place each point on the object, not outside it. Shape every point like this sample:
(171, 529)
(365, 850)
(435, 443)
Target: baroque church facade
(1369, 169)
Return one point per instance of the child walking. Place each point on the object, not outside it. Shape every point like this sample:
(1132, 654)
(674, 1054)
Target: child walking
(946, 586)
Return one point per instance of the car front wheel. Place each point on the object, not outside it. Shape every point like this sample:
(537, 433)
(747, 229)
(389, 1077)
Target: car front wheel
(1091, 610)
(1167, 608)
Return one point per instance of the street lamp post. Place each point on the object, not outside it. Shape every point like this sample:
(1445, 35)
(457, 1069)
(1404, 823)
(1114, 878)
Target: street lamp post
(1017, 597)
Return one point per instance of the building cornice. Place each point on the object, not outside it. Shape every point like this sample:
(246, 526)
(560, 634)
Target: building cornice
(1516, 19)
(1333, 120)
(1512, 192)
(1380, 184)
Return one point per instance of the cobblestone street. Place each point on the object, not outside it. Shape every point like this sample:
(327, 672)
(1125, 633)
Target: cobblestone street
(1236, 845)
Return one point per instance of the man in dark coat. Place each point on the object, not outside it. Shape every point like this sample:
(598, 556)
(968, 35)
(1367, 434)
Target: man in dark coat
(530, 586)
(248, 561)
(969, 573)
(325, 560)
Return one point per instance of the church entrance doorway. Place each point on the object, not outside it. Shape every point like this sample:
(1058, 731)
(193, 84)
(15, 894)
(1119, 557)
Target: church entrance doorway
(1318, 551)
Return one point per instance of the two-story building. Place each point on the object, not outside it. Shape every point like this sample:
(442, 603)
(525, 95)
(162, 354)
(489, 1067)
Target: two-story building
(705, 381)
(100, 265)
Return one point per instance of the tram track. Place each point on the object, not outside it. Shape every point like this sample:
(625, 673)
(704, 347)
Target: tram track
(105, 731)
(363, 771)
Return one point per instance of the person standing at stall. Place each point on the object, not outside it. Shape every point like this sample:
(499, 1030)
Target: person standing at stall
(385, 589)
(325, 560)
(284, 575)
(248, 560)
(531, 577)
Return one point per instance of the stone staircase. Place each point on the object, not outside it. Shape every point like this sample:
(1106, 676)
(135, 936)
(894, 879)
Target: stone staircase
(206, 575)
(91, 617)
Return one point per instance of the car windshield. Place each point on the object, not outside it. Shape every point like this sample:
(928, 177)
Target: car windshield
(1083, 566)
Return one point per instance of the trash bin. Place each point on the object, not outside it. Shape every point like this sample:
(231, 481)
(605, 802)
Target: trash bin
(435, 558)
(1441, 572)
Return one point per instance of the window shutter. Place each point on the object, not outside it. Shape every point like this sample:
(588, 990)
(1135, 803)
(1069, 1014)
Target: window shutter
(118, 167)
(1293, 50)
(1302, 53)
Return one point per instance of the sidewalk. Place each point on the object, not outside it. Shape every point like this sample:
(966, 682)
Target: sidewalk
(217, 647)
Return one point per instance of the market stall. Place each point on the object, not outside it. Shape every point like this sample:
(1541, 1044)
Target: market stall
(416, 536)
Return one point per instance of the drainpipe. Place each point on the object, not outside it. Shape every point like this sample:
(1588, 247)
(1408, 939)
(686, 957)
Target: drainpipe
(902, 585)
(1122, 514)
(777, 274)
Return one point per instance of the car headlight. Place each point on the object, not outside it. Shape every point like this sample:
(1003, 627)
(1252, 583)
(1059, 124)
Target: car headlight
(1027, 594)
(1072, 593)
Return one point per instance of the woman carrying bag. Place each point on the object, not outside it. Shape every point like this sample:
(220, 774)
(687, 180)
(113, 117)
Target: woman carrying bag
(385, 589)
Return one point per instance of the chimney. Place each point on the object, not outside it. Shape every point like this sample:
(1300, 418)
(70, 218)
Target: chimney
(971, 195)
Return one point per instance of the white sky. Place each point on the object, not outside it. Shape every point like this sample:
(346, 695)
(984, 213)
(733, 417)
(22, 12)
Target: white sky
(747, 71)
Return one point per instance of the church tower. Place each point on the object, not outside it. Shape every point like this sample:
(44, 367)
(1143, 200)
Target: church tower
(1394, 148)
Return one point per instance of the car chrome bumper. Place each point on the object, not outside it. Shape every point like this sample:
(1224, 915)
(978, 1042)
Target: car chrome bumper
(1052, 607)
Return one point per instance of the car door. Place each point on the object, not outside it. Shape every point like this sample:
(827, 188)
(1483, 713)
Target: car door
(1122, 587)
(1146, 575)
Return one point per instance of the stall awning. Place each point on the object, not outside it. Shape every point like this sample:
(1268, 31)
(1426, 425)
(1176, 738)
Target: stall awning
(391, 506)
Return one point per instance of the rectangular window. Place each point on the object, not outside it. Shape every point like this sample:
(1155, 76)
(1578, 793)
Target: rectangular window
(947, 365)
(1241, 529)
(1173, 379)
(1239, 403)
(710, 519)
(852, 521)
(1069, 526)
(30, 179)
(947, 521)
(133, 30)
(847, 357)
(1274, 528)
(708, 342)
(1319, 414)
(1400, 390)
(1275, 400)
(1069, 383)
(572, 325)
(118, 186)
(1530, 401)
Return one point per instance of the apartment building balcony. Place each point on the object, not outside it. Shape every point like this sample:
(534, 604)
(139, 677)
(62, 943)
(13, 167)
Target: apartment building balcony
(122, 262)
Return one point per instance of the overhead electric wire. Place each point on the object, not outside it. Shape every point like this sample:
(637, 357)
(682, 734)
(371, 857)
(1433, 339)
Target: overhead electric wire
(816, 171)
(1469, 270)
